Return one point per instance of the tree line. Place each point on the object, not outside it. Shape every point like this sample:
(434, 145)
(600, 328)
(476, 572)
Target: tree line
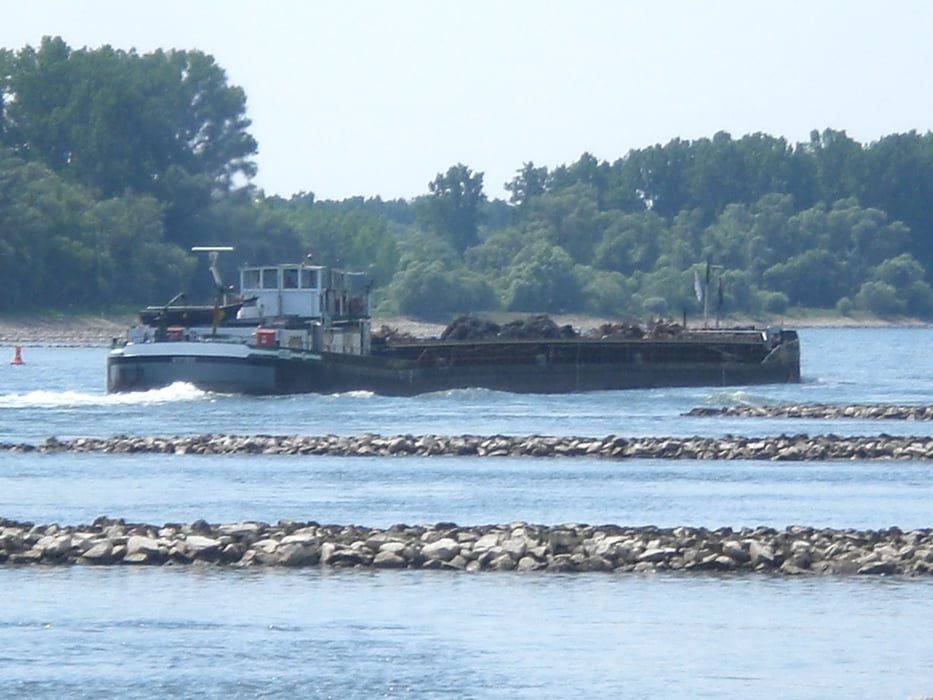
(113, 164)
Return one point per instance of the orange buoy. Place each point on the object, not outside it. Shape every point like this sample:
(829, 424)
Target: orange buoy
(17, 356)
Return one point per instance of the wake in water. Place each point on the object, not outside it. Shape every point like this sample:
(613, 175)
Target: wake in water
(740, 397)
(360, 394)
(179, 391)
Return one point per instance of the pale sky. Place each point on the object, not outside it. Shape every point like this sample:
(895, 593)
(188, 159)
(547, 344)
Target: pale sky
(375, 98)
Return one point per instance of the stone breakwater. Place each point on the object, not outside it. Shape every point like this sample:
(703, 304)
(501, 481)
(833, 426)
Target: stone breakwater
(517, 546)
(869, 411)
(777, 448)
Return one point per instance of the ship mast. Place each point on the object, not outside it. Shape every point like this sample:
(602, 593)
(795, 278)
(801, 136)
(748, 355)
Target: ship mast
(220, 298)
(214, 252)
(702, 290)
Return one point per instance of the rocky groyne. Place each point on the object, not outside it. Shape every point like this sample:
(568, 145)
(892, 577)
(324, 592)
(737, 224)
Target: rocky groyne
(826, 411)
(776, 448)
(517, 546)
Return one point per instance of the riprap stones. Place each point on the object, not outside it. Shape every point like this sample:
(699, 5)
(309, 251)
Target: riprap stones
(517, 546)
(799, 447)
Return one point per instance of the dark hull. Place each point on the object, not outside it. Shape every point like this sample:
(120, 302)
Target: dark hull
(546, 368)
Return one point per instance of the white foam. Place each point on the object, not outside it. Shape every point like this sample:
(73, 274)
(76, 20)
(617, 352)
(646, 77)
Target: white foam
(179, 391)
(741, 397)
(359, 394)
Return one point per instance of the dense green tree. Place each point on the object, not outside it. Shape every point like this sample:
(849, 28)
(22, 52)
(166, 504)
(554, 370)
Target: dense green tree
(569, 218)
(905, 275)
(899, 181)
(424, 246)
(588, 171)
(657, 177)
(60, 248)
(718, 175)
(542, 278)
(128, 238)
(606, 293)
(753, 237)
(810, 278)
(675, 287)
(453, 209)
(879, 298)
(862, 235)
(530, 182)
(430, 290)
(114, 120)
(165, 124)
(496, 253)
(840, 164)
(631, 242)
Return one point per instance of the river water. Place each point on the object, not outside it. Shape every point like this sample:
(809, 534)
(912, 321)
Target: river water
(184, 632)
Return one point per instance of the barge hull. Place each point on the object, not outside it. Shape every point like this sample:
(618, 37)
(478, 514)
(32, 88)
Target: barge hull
(251, 371)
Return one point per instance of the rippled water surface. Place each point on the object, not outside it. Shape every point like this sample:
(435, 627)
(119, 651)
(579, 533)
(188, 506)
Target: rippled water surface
(186, 632)
(84, 632)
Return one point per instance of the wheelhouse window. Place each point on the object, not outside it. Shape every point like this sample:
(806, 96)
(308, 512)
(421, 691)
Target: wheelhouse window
(290, 278)
(270, 278)
(309, 278)
(251, 279)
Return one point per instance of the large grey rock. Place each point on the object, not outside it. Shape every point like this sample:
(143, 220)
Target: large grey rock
(348, 558)
(656, 554)
(882, 567)
(515, 547)
(563, 540)
(616, 548)
(298, 554)
(265, 551)
(242, 530)
(444, 549)
(528, 563)
(760, 553)
(340, 555)
(735, 551)
(98, 553)
(487, 542)
(801, 554)
(394, 547)
(386, 559)
(503, 562)
(30, 556)
(137, 544)
(304, 539)
(54, 546)
(201, 547)
(327, 551)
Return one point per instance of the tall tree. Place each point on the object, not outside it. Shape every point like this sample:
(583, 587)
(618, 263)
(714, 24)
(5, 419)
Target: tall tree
(900, 182)
(454, 208)
(657, 177)
(165, 123)
(569, 218)
(718, 175)
(840, 165)
(528, 183)
(588, 170)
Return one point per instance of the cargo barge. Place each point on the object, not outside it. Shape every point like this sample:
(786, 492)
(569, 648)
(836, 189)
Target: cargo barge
(306, 328)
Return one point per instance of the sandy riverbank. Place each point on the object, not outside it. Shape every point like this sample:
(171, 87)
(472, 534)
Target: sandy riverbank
(91, 331)
(77, 331)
